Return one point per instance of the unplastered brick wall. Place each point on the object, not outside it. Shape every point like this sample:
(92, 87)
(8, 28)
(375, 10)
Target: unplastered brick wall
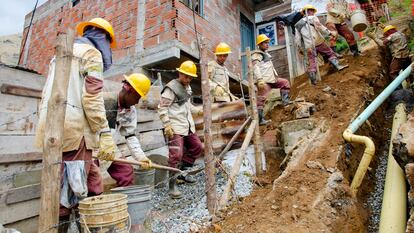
(219, 23)
(167, 20)
(159, 22)
(58, 15)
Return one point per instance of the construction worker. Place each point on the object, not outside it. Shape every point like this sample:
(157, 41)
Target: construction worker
(310, 32)
(266, 76)
(219, 75)
(122, 116)
(175, 111)
(85, 123)
(338, 12)
(397, 44)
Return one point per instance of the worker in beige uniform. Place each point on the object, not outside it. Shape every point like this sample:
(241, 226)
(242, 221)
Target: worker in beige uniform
(311, 33)
(219, 75)
(85, 124)
(122, 116)
(397, 44)
(175, 111)
(338, 12)
(266, 77)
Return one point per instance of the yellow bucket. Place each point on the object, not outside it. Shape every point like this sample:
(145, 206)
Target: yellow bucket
(104, 213)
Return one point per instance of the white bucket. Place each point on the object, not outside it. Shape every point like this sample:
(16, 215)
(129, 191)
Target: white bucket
(359, 21)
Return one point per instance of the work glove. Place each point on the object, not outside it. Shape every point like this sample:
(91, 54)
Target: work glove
(261, 84)
(106, 147)
(219, 91)
(168, 131)
(147, 163)
(371, 35)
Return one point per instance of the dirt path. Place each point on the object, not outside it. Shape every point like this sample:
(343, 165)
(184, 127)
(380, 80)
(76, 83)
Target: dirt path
(307, 199)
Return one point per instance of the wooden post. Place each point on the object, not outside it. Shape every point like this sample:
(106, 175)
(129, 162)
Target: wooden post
(253, 104)
(159, 80)
(290, 56)
(235, 136)
(52, 145)
(208, 145)
(236, 166)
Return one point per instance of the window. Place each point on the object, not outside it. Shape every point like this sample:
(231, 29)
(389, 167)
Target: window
(196, 4)
(75, 2)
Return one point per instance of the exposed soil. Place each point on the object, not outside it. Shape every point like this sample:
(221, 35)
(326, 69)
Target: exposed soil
(304, 199)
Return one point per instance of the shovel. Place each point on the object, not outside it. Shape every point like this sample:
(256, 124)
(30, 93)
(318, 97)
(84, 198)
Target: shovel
(153, 165)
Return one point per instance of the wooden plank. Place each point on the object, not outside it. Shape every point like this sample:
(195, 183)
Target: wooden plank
(29, 225)
(20, 91)
(145, 115)
(18, 104)
(17, 144)
(210, 185)
(19, 211)
(152, 99)
(149, 126)
(25, 193)
(19, 158)
(21, 78)
(236, 166)
(27, 178)
(13, 123)
(52, 150)
(151, 140)
(253, 104)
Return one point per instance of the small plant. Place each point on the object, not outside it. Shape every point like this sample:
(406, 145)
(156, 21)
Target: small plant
(411, 45)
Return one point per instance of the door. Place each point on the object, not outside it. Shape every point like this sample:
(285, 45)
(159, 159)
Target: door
(247, 40)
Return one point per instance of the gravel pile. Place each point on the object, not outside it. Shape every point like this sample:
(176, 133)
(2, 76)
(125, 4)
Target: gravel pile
(374, 201)
(190, 213)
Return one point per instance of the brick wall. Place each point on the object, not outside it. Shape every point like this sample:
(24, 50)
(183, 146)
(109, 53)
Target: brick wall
(122, 14)
(173, 20)
(159, 22)
(220, 22)
(165, 20)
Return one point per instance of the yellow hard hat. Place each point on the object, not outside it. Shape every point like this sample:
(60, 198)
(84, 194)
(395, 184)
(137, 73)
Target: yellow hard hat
(389, 27)
(261, 38)
(222, 48)
(99, 23)
(188, 68)
(139, 82)
(308, 7)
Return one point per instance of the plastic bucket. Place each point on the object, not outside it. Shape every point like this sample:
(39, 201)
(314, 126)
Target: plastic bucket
(359, 21)
(104, 213)
(145, 177)
(139, 201)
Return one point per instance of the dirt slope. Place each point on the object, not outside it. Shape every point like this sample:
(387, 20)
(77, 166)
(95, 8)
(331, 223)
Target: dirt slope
(307, 199)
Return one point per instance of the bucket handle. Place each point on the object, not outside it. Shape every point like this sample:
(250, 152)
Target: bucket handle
(87, 228)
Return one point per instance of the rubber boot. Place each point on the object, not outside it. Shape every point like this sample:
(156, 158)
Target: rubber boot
(285, 97)
(336, 54)
(64, 224)
(186, 178)
(354, 50)
(335, 63)
(312, 77)
(262, 121)
(172, 187)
